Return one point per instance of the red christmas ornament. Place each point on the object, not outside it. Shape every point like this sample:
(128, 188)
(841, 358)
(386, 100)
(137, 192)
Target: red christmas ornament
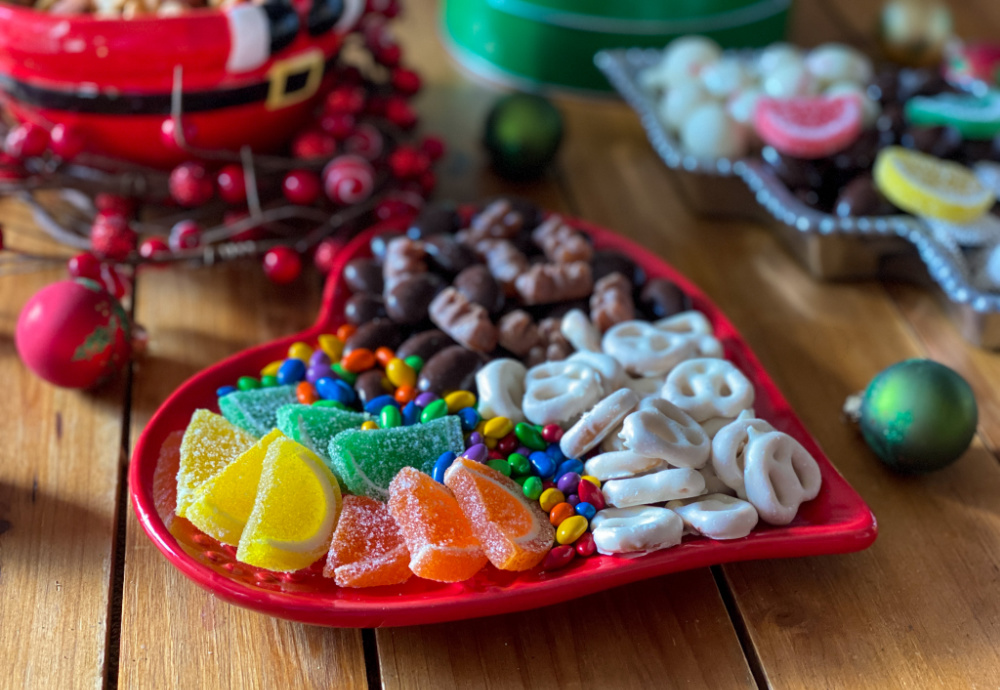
(190, 184)
(66, 142)
(84, 265)
(168, 137)
(73, 334)
(388, 55)
(301, 187)
(184, 235)
(338, 125)
(348, 179)
(366, 141)
(314, 143)
(153, 246)
(112, 239)
(232, 183)
(408, 163)
(399, 113)
(433, 147)
(26, 140)
(325, 254)
(282, 265)
(106, 202)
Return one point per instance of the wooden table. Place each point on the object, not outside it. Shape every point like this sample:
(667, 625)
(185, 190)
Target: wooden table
(86, 600)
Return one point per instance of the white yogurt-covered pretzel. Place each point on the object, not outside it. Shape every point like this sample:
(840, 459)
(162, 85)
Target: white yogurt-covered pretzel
(717, 516)
(621, 464)
(729, 449)
(662, 430)
(714, 485)
(780, 476)
(612, 373)
(664, 485)
(646, 386)
(716, 424)
(613, 443)
(645, 350)
(597, 423)
(559, 392)
(636, 530)
(706, 388)
(577, 329)
(501, 389)
(695, 325)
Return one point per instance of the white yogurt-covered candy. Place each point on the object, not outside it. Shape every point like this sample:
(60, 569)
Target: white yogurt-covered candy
(714, 485)
(664, 485)
(622, 464)
(501, 389)
(636, 530)
(729, 451)
(788, 80)
(716, 424)
(645, 350)
(679, 102)
(780, 476)
(610, 370)
(559, 392)
(725, 76)
(597, 423)
(662, 430)
(696, 325)
(833, 62)
(717, 516)
(579, 331)
(777, 55)
(647, 386)
(685, 57)
(741, 105)
(709, 132)
(706, 388)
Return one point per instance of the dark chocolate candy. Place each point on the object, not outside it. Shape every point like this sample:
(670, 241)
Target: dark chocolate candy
(425, 344)
(478, 285)
(451, 369)
(376, 334)
(363, 275)
(447, 256)
(794, 172)
(660, 298)
(861, 198)
(408, 299)
(369, 385)
(379, 243)
(605, 263)
(943, 142)
(363, 307)
(434, 219)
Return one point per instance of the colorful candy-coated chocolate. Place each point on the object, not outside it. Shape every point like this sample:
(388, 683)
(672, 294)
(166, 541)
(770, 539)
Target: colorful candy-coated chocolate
(476, 437)
(529, 436)
(585, 546)
(573, 499)
(555, 452)
(552, 433)
(247, 383)
(477, 453)
(533, 488)
(415, 362)
(300, 350)
(442, 464)
(400, 373)
(348, 376)
(560, 512)
(357, 361)
(543, 465)
(497, 455)
(550, 498)
(305, 393)
(508, 444)
(523, 450)
(519, 464)
(369, 425)
(332, 346)
(272, 368)
(411, 414)
(268, 381)
(384, 355)
(225, 390)
(593, 480)
(548, 484)
(436, 410)
(500, 465)
(570, 529)
(470, 418)
(567, 481)
(315, 372)
(425, 399)
(319, 357)
(458, 399)
(586, 509)
(491, 443)
(498, 427)
(376, 404)
(345, 331)
(590, 494)
(291, 371)
(390, 417)
(558, 558)
(335, 389)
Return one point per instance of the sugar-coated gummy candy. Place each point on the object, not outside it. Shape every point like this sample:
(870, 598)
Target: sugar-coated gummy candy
(291, 371)
(367, 549)
(439, 537)
(223, 503)
(314, 426)
(441, 464)
(469, 417)
(366, 461)
(513, 531)
(586, 509)
(210, 443)
(296, 510)
(570, 529)
(256, 411)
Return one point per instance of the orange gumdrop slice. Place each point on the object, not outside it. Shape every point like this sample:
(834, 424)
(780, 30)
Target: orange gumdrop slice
(440, 539)
(367, 549)
(515, 533)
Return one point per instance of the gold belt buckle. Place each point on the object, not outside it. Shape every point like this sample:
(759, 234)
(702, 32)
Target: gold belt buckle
(278, 96)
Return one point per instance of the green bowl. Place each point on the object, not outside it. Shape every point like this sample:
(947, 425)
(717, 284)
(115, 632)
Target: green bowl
(553, 42)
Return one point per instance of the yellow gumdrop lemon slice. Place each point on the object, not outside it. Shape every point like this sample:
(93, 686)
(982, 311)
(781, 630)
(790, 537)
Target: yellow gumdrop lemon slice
(222, 505)
(210, 443)
(298, 502)
(927, 186)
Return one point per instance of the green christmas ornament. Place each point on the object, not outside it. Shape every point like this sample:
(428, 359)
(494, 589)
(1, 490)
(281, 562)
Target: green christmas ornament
(918, 416)
(522, 134)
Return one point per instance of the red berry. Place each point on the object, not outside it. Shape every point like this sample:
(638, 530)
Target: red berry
(428, 180)
(66, 142)
(407, 163)
(118, 283)
(26, 140)
(84, 265)
(366, 141)
(433, 147)
(152, 246)
(111, 217)
(301, 187)
(399, 113)
(405, 81)
(388, 55)
(337, 125)
(105, 201)
(191, 185)
(325, 255)
(168, 137)
(376, 106)
(348, 100)
(350, 75)
(282, 265)
(113, 241)
(232, 183)
(11, 169)
(397, 206)
(185, 235)
(314, 143)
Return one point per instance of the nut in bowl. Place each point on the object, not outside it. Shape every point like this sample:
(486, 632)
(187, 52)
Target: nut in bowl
(486, 495)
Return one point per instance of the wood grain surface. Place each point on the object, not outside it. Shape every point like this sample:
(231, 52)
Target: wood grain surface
(87, 601)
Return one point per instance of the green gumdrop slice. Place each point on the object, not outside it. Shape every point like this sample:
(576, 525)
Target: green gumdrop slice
(256, 411)
(314, 427)
(975, 117)
(367, 461)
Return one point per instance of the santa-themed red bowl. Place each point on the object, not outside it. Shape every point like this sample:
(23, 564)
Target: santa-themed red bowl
(836, 521)
(247, 75)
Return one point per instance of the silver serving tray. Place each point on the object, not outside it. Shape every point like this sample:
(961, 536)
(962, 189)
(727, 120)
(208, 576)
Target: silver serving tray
(898, 247)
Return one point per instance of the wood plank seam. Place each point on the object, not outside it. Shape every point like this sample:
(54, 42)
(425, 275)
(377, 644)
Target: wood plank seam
(740, 625)
(373, 668)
